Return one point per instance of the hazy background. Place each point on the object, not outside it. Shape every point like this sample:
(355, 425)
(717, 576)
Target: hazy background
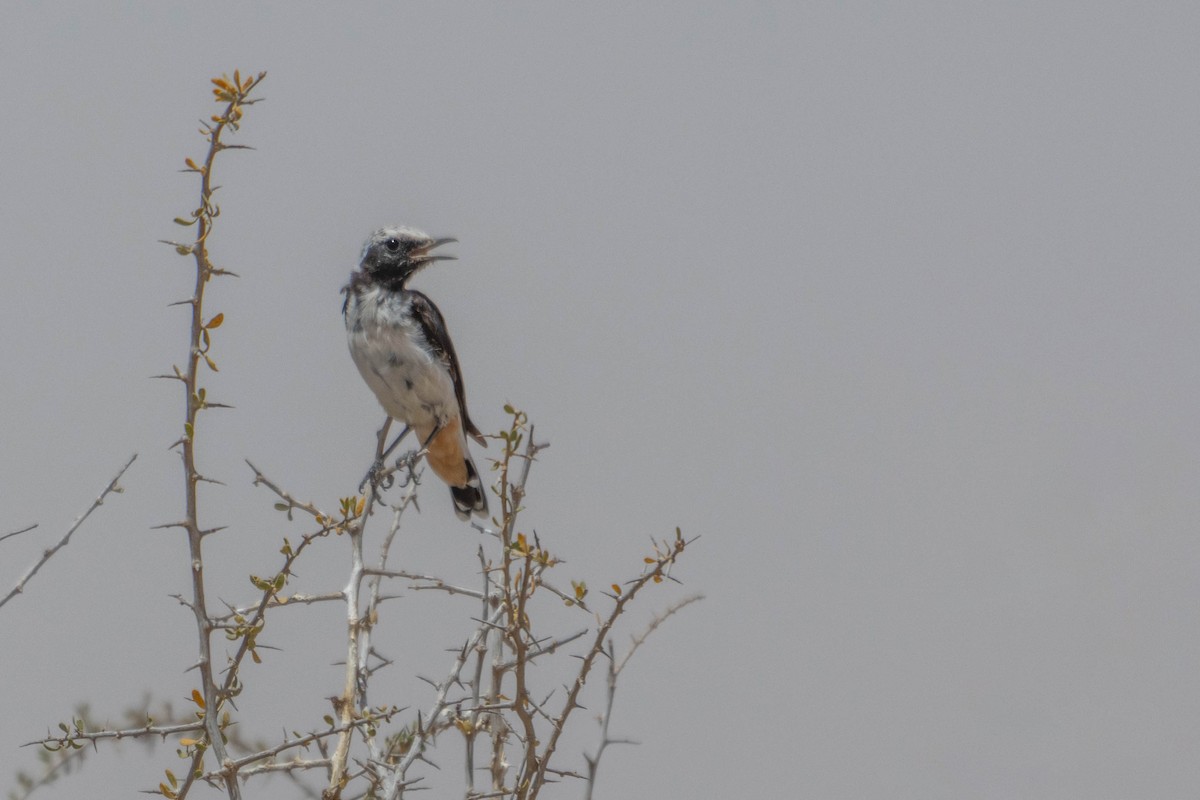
(894, 305)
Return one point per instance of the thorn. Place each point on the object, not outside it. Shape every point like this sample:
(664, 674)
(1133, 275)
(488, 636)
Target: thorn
(184, 249)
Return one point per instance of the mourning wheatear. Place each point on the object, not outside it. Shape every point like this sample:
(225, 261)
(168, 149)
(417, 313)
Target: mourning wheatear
(400, 344)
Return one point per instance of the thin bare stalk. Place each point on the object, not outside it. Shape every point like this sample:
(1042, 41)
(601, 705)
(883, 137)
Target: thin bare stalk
(358, 624)
(614, 672)
(477, 679)
(235, 94)
(393, 786)
(26, 529)
(347, 704)
(48, 553)
(79, 733)
(666, 556)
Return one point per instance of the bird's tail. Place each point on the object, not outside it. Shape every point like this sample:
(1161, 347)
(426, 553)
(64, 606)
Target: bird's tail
(447, 455)
(470, 498)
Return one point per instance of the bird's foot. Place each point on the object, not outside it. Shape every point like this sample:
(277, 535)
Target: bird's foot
(408, 462)
(379, 478)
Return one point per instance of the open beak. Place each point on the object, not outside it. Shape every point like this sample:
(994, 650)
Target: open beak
(423, 256)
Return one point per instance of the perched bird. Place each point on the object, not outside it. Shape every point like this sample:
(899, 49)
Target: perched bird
(400, 344)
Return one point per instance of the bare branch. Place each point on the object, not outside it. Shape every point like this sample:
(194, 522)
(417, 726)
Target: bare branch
(434, 582)
(539, 650)
(570, 600)
(260, 478)
(304, 741)
(113, 487)
(658, 620)
(26, 529)
(79, 734)
(393, 785)
(614, 671)
(279, 601)
(234, 93)
(296, 765)
(666, 555)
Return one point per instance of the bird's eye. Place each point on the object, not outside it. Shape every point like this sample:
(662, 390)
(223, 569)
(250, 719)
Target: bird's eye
(393, 245)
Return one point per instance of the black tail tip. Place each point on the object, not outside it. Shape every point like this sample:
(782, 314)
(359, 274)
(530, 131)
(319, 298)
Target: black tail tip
(471, 498)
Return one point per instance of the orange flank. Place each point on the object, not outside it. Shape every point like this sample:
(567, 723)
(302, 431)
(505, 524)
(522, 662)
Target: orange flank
(446, 453)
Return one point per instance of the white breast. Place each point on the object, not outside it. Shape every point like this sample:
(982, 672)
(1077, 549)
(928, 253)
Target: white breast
(390, 350)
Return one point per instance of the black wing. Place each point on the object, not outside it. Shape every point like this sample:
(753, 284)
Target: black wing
(434, 328)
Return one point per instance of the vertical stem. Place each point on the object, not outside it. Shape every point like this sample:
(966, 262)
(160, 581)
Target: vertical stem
(204, 628)
(235, 94)
(477, 680)
(348, 703)
(499, 726)
(593, 762)
(514, 591)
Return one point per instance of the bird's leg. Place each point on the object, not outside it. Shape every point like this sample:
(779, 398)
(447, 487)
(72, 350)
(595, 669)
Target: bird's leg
(394, 443)
(411, 458)
(381, 436)
(429, 439)
(376, 476)
(391, 476)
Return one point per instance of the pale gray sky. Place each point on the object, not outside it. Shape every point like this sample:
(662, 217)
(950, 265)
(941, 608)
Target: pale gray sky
(894, 305)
